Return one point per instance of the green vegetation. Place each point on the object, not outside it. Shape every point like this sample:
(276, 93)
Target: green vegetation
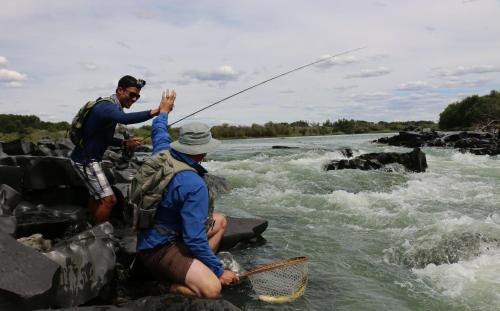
(304, 128)
(472, 112)
(31, 128)
(469, 113)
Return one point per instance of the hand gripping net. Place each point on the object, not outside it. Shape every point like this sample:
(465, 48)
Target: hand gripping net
(280, 281)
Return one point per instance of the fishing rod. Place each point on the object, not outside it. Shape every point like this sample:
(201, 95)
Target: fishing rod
(265, 81)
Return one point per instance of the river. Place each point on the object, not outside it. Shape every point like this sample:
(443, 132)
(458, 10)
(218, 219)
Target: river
(372, 237)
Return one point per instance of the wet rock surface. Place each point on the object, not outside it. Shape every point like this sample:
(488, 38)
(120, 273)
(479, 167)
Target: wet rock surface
(65, 262)
(414, 161)
(175, 302)
(26, 276)
(476, 142)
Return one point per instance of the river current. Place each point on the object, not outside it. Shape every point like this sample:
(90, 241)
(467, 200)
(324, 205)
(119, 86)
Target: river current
(376, 240)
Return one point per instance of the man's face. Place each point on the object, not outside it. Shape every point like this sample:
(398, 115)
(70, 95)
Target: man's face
(198, 157)
(128, 96)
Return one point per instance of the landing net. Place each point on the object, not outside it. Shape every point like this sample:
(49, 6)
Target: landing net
(281, 281)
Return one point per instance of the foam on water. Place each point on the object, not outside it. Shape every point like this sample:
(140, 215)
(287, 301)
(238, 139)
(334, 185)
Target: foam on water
(475, 282)
(375, 218)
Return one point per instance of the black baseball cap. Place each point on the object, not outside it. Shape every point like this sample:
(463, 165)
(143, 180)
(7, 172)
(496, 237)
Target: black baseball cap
(128, 81)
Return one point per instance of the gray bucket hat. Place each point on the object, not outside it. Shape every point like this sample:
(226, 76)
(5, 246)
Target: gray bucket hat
(195, 138)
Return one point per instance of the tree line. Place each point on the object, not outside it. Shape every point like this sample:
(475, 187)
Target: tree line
(471, 112)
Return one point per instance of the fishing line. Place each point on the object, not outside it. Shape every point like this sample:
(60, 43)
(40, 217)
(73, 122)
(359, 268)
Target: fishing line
(270, 79)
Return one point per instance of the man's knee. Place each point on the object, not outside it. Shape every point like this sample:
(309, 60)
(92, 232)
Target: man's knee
(103, 209)
(202, 281)
(220, 221)
(109, 201)
(211, 290)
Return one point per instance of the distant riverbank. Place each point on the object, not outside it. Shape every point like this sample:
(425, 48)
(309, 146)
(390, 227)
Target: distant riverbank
(31, 128)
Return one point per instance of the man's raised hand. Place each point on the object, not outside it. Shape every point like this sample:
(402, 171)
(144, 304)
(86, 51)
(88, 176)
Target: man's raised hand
(167, 101)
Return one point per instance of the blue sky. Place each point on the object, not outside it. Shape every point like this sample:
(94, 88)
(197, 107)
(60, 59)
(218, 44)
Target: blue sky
(420, 56)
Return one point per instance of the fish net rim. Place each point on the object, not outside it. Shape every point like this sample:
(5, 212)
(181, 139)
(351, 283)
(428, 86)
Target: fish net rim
(277, 264)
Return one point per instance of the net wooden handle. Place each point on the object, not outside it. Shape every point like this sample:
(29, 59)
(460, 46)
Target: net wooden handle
(275, 265)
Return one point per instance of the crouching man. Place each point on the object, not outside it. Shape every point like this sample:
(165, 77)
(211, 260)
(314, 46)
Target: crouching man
(178, 246)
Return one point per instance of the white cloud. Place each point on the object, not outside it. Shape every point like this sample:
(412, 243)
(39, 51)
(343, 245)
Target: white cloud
(14, 84)
(344, 87)
(258, 39)
(223, 73)
(369, 73)
(333, 61)
(3, 60)
(462, 70)
(89, 66)
(375, 96)
(11, 75)
(454, 82)
(413, 86)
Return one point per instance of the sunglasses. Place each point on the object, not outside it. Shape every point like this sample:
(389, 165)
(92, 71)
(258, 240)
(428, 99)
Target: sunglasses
(133, 95)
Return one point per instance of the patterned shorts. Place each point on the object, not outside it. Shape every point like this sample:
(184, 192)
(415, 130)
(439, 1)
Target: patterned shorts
(94, 178)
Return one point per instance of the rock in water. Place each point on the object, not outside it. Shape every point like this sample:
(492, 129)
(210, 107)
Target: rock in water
(414, 161)
(26, 277)
(87, 264)
(242, 230)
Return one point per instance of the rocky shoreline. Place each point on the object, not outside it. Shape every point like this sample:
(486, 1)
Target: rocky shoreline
(476, 142)
(50, 255)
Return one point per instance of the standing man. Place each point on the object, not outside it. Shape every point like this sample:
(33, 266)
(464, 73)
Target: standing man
(179, 247)
(98, 131)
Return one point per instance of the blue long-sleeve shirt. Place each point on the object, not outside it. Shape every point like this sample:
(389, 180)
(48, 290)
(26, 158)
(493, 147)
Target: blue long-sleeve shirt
(99, 129)
(183, 207)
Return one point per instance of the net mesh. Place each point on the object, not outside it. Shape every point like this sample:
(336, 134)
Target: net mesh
(280, 281)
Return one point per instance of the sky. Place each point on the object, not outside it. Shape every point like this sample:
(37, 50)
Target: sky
(420, 56)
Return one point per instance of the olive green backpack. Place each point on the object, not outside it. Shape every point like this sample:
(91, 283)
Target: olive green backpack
(75, 132)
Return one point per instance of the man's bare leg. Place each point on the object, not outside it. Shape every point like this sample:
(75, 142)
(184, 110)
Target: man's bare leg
(201, 281)
(181, 290)
(103, 209)
(216, 233)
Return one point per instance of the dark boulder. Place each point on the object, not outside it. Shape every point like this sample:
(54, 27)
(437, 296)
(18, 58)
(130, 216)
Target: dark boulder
(172, 302)
(18, 147)
(243, 231)
(87, 263)
(92, 308)
(2, 154)
(284, 147)
(410, 139)
(51, 221)
(44, 172)
(27, 277)
(9, 198)
(477, 142)
(414, 161)
(8, 224)
(11, 175)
